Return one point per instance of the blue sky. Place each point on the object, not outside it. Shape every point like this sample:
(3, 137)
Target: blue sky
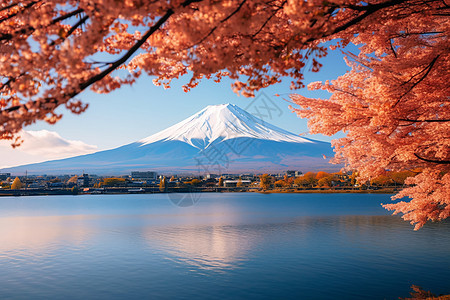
(135, 112)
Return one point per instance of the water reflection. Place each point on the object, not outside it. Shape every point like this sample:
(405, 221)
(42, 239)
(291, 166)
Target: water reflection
(220, 247)
(38, 234)
(205, 247)
(276, 247)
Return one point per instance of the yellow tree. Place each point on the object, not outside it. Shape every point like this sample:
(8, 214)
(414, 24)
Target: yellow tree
(73, 179)
(265, 181)
(325, 181)
(162, 184)
(17, 184)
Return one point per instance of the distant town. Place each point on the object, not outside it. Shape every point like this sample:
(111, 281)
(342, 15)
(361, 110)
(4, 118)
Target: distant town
(152, 182)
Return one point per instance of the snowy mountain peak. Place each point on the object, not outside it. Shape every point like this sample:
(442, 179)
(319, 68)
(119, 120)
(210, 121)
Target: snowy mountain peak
(222, 122)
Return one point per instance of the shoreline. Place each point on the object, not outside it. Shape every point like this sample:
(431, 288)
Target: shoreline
(125, 191)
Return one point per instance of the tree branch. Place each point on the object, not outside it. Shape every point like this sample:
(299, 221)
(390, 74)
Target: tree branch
(221, 22)
(30, 29)
(66, 16)
(368, 10)
(428, 68)
(427, 121)
(113, 66)
(72, 29)
(17, 12)
(441, 162)
(9, 6)
(269, 18)
(392, 48)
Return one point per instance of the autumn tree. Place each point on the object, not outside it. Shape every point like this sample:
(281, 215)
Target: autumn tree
(279, 183)
(306, 180)
(195, 182)
(5, 185)
(17, 184)
(322, 174)
(354, 178)
(301, 181)
(381, 180)
(401, 176)
(286, 182)
(325, 181)
(394, 107)
(265, 181)
(239, 182)
(163, 184)
(73, 179)
(220, 181)
(393, 104)
(51, 47)
(113, 181)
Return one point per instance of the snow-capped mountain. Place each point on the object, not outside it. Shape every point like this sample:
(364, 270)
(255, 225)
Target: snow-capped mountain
(218, 139)
(219, 123)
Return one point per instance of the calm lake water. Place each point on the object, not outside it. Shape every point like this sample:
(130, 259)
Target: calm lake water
(227, 246)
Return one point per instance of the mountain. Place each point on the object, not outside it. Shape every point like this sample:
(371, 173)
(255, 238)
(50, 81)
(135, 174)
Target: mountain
(218, 139)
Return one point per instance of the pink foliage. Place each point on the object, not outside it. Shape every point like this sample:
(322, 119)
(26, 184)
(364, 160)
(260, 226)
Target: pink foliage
(394, 107)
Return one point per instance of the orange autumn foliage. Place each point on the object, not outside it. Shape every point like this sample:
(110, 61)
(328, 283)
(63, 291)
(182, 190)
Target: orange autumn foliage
(393, 104)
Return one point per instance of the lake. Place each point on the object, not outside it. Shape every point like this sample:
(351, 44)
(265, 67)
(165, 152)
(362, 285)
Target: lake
(226, 246)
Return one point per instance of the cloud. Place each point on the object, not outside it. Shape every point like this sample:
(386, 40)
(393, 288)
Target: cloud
(51, 144)
(40, 146)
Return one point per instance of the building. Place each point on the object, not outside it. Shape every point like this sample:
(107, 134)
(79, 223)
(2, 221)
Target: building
(4, 176)
(146, 176)
(291, 173)
(234, 183)
(85, 180)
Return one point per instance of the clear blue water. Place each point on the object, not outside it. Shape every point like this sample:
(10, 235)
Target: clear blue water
(227, 246)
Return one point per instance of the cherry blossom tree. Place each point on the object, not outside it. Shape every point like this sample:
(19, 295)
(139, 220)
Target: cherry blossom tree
(393, 104)
(50, 49)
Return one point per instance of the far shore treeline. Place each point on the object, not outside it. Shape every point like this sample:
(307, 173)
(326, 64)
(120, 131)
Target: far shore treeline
(289, 181)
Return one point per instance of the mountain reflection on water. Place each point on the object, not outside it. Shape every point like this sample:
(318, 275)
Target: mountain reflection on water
(228, 246)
